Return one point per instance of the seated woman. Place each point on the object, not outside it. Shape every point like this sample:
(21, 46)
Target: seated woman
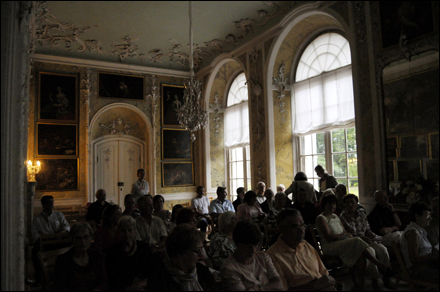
(268, 204)
(336, 241)
(160, 212)
(421, 258)
(271, 220)
(107, 235)
(128, 261)
(356, 223)
(180, 270)
(174, 212)
(222, 245)
(250, 209)
(80, 268)
(247, 268)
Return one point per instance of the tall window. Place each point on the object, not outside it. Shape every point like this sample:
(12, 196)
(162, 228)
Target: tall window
(237, 136)
(323, 107)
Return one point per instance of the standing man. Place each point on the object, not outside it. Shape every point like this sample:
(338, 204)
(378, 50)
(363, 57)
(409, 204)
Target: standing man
(221, 204)
(201, 205)
(140, 187)
(94, 212)
(261, 188)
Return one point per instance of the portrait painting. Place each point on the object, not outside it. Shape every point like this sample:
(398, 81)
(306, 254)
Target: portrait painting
(392, 147)
(58, 175)
(121, 86)
(402, 21)
(433, 143)
(172, 100)
(408, 169)
(413, 146)
(54, 139)
(432, 170)
(57, 97)
(176, 144)
(177, 174)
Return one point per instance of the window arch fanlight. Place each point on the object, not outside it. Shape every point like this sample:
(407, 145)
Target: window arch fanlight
(238, 91)
(323, 91)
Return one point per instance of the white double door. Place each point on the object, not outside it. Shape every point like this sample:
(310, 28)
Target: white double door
(116, 163)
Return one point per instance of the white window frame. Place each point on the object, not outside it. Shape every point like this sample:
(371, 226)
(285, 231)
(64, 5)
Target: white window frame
(246, 160)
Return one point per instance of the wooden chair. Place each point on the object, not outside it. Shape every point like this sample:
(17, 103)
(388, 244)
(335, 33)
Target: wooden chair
(47, 262)
(334, 264)
(404, 275)
(54, 241)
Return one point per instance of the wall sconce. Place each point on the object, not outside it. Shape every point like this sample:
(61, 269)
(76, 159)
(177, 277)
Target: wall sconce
(33, 170)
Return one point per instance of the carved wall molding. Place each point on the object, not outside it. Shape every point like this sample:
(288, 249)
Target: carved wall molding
(216, 107)
(280, 82)
(119, 126)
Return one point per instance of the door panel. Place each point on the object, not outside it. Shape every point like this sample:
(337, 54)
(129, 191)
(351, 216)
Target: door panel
(107, 166)
(129, 163)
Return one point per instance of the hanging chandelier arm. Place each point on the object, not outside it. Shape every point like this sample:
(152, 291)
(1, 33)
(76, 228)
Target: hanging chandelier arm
(191, 58)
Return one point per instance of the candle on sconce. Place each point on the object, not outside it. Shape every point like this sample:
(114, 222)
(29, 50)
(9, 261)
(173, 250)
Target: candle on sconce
(33, 170)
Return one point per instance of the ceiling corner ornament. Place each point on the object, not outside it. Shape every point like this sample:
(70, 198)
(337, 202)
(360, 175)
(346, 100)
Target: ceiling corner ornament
(280, 82)
(118, 126)
(192, 115)
(215, 107)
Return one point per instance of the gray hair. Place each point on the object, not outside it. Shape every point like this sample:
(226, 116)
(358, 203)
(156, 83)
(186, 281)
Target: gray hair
(224, 220)
(80, 227)
(126, 219)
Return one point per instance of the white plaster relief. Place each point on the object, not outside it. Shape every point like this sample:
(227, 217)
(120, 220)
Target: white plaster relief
(119, 126)
(280, 82)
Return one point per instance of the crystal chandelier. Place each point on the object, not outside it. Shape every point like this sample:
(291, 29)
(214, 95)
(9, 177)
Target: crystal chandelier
(191, 114)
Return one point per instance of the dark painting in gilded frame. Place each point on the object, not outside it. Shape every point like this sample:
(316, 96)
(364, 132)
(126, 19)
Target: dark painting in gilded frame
(432, 168)
(391, 175)
(121, 86)
(57, 97)
(402, 21)
(58, 175)
(413, 146)
(392, 147)
(55, 139)
(176, 144)
(172, 100)
(409, 169)
(177, 174)
(433, 142)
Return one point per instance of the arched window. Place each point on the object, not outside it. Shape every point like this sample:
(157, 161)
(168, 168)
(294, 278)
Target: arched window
(237, 136)
(323, 110)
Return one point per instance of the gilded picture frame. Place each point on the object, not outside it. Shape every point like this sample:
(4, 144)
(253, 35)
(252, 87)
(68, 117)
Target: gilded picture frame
(432, 170)
(433, 145)
(122, 86)
(177, 174)
(408, 169)
(413, 146)
(58, 175)
(176, 144)
(392, 147)
(172, 100)
(57, 97)
(57, 139)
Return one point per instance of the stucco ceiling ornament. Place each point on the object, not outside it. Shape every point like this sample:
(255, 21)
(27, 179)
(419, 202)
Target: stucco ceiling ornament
(127, 48)
(118, 126)
(216, 107)
(280, 82)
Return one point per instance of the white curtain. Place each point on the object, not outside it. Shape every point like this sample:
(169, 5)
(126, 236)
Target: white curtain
(323, 102)
(237, 125)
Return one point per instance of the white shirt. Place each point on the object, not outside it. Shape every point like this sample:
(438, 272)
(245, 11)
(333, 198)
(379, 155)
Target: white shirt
(202, 204)
(218, 206)
(44, 224)
(151, 233)
(425, 246)
(261, 199)
(140, 189)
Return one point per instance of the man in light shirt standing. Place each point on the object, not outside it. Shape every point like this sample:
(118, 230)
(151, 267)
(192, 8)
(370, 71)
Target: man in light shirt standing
(140, 187)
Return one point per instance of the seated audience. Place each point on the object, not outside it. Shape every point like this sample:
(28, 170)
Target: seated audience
(47, 222)
(130, 207)
(221, 204)
(281, 188)
(340, 192)
(296, 261)
(81, 268)
(222, 245)
(180, 270)
(319, 207)
(250, 209)
(240, 197)
(271, 220)
(160, 212)
(174, 212)
(421, 258)
(300, 181)
(336, 241)
(261, 188)
(151, 228)
(248, 268)
(326, 181)
(268, 204)
(307, 209)
(128, 261)
(201, 205)
(432, 228)
(383, 219)
(106, 234)
(356, 223)
(94, 212)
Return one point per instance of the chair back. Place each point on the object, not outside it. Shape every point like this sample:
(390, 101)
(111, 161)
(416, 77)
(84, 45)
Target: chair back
(54, 241)
(47, 263)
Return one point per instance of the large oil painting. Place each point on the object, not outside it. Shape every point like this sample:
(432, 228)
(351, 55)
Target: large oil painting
(176, 144)
(177, 174)
(58, 175)
(121, 86)
(172, 100)
(56, 139)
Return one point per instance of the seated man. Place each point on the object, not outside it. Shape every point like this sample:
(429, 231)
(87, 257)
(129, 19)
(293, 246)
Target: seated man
(432, 228)
(200, 204)
(151, 228)
(94, 212)
(240, 198)
(130, 206)
(221, 204)
(384, 220)
(297, 262)
(307, 209)
(48, 222)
